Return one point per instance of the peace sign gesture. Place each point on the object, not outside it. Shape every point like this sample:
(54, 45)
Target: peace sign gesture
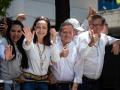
(28, 34)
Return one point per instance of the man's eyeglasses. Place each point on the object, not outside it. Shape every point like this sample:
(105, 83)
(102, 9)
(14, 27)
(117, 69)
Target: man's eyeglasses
(95, 25)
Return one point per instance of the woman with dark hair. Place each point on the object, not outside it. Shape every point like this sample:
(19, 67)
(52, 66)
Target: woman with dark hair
(15, 57)
(40, 52)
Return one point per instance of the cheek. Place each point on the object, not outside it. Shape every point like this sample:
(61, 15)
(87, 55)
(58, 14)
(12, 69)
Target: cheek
(19, 35)
(45, 31)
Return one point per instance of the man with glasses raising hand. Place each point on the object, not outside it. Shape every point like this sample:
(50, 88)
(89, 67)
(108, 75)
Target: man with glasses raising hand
(92, 44)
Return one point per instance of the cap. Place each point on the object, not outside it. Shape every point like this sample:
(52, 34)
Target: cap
(75, 24)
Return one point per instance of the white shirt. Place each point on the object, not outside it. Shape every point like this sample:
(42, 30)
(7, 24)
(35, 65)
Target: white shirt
(66, 68)
(39, 57)
(3, 44)
(93, 56)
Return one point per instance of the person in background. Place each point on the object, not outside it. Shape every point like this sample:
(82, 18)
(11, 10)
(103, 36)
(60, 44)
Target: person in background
(76, 25)
(53, 35)
(40, 52)
(21, 17)
(15, 57)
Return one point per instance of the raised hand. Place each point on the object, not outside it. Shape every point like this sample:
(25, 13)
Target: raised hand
(64, 52)
(8, 53)
(28, 34)
(91, 12)
(93, 38)
(53, 35)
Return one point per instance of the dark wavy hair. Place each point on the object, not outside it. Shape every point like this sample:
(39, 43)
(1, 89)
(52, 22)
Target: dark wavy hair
(46, 39)
(24, 61)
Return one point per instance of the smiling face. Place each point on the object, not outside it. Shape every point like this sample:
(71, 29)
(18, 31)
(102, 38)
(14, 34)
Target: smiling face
(96, 24)
(41, 29)
(15, 33)
(67, 34)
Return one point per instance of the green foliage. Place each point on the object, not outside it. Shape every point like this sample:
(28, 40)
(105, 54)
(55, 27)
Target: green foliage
(4, 4)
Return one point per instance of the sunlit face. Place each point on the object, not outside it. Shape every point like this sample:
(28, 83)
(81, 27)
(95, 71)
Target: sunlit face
(67, 34)
(41, 29)
(105, 29)
(15, 33)
(97, 26)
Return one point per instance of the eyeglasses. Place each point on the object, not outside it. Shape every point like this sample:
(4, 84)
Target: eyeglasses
(96, 25)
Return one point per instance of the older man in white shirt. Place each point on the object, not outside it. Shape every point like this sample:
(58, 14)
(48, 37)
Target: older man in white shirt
(92, 43)
(65, 70)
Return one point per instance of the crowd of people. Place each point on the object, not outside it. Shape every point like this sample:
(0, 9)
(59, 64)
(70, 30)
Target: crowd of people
(40, 58)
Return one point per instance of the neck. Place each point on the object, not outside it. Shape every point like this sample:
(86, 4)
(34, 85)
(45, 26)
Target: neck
(40, 40)
(65, 43)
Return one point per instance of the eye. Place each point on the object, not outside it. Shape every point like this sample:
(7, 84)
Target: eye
(12, 30)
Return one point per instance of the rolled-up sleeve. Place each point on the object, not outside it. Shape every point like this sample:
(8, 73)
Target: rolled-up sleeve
(111, 39)
(27, 46)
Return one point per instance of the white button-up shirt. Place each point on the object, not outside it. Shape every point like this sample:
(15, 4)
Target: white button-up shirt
(66, 68)
(93, 56)
(39, 57)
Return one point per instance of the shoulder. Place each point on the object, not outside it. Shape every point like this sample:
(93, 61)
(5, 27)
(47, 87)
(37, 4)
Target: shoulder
(3, 41)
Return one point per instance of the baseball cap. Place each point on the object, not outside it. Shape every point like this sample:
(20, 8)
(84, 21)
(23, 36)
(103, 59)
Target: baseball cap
(75, 24)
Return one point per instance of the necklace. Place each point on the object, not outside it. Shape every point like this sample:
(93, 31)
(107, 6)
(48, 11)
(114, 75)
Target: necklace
(41, 55)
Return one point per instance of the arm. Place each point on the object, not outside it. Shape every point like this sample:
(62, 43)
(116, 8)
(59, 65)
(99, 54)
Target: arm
(116, 44)
(116, 47)
(28, 38)
(54, 53)
(78, 70)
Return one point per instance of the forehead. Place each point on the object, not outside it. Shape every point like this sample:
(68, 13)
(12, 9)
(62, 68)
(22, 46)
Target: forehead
(67, 28)
(16, 27)
(41, 22)
(97, 21)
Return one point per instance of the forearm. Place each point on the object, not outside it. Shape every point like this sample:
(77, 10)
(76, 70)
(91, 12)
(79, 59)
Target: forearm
(75, 86)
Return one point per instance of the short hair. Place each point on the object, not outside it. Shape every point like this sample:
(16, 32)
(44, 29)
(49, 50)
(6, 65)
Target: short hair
(65, 24)
(94, 17)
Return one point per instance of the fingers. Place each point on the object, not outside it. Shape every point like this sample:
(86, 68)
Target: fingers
(116, 49)
(28, 34)
(26, 31)
(8, 53)
(64, 52)
(92, 11)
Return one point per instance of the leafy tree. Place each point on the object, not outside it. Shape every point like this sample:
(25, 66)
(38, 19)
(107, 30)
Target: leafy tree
(4, 4)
